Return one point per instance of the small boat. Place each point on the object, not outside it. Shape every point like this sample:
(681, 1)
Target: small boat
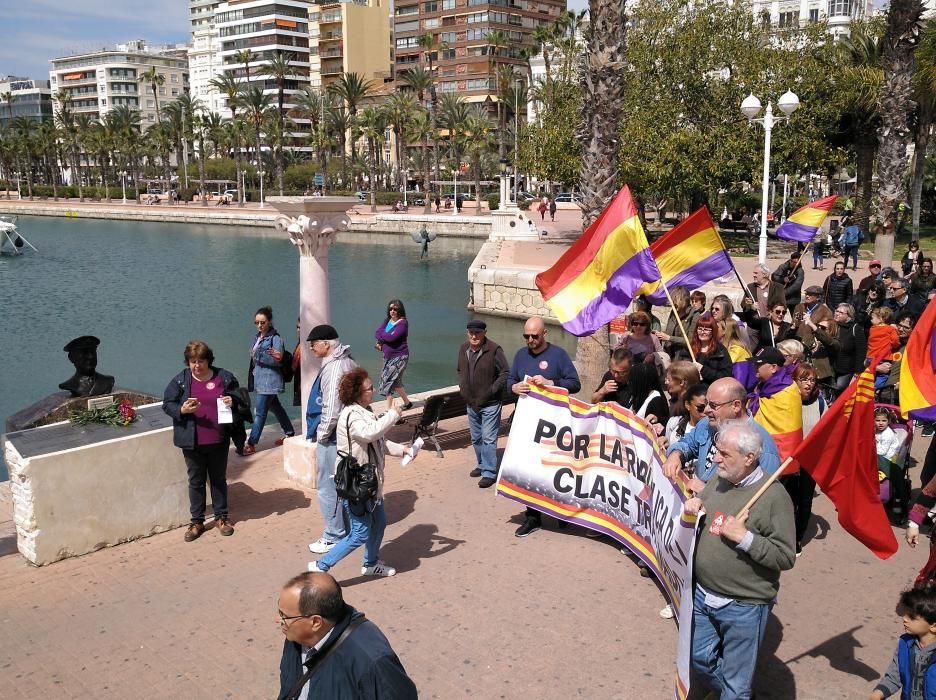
(11, 240)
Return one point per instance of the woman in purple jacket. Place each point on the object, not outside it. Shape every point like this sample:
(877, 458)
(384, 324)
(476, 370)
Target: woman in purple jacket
(391, 340)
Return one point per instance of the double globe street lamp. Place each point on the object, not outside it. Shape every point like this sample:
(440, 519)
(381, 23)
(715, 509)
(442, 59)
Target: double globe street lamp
(751, 107)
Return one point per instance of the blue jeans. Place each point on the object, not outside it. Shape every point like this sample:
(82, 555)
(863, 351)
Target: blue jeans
(265, 404)
(484, 423)
(853, 251)
(817, 258)
(326, 460)
(725, 643)
(367, 528)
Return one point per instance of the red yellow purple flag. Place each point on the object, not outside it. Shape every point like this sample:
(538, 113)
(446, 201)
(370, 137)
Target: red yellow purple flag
(840, 454)
(777, 405)
(690, 255)
(804, 222)
(595, 280)
(918, 369)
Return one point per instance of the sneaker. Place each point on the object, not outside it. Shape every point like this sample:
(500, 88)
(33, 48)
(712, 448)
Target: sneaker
(321, 546)
(378, 569)
(529, 525)
(194, 531)
(314, 567)
(667, 613)
(644, 570)
(280, 441)
(799, 550)
(475, 473)
(249, 449)
(486, 482)
(223, 525)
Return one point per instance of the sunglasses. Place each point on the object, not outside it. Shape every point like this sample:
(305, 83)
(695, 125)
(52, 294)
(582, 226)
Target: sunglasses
(638, 323)
(698, 406)
(531, 336)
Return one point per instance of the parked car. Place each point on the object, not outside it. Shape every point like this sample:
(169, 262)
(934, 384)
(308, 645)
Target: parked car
(362, 196)
(154, 190)
(569, 197)
(230, 195)
(526, 197)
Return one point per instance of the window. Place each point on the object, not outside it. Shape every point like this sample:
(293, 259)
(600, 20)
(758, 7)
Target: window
(407, 26)
(839, 8)
(407, 43)
(475, 34)
(448, 54)
(149, 103)
(448, 4)
(480, 85)
(432, 6)
(174, 77)
(789, 19)
(431, 23)
(408, 10)
(476, 17)
(449, 87)
(175, 92)
(447, 37)
(813, 16)
(162, 91)
(103, 101)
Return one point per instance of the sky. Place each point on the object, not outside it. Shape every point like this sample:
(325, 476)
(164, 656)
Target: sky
(35, 31)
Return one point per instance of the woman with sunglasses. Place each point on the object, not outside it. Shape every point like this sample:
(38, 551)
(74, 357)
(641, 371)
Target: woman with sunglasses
(391, 337)
(770, 330)
(638, 339)
(866, 300)
(800, 485)
(266, 378)
(691, 412)
(712, 359)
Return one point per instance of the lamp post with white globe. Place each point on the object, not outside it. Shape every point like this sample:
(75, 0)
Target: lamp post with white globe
(751, 107)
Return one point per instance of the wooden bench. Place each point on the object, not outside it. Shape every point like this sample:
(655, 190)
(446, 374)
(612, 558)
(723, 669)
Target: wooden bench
(438, 407)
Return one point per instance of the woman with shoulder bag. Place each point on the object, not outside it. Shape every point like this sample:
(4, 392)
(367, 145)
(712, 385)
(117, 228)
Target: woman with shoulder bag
(361, 435)
(267, 379)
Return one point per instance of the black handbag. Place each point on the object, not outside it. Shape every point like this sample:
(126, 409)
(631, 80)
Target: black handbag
(356, 483)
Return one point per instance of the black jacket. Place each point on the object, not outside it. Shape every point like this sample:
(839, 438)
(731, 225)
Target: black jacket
(177, 392)
(838, 290)
(853, 347)
(484, 383)
(792, 281)
(715, 364)
(364, 667)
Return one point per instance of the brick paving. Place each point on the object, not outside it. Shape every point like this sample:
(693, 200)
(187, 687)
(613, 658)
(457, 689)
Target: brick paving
(473, 612)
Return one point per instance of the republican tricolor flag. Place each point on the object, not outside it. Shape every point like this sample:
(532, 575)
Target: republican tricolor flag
(918, 369)
(596, 279)
(777, 406)
(805, 221)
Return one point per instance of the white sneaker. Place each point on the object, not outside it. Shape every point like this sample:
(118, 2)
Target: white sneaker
(314, 567)
(667, 613)
(321, 546)
(378, 569)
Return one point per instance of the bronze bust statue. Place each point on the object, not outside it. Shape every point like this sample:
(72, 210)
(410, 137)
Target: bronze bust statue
(82, 352)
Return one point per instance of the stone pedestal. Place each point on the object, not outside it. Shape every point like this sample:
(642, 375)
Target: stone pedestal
(77, 489)
(510, 223)
(56, 407)
(299, 461)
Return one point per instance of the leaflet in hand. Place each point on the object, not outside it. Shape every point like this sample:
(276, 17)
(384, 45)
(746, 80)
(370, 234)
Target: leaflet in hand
(225, 414)
(412, 451)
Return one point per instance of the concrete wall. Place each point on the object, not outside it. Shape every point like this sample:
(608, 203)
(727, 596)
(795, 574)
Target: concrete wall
(463, 226)
(504, 291)
(79, 500)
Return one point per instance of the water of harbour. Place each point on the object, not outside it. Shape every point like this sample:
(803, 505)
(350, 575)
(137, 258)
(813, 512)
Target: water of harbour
(146, 289)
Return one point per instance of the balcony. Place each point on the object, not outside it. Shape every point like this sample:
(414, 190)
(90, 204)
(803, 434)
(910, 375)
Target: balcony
(332, 53)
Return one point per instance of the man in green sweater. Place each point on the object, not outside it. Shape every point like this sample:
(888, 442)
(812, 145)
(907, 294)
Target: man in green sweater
(738, 560)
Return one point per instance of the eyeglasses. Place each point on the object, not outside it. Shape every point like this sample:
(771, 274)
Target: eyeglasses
(284, 621)
(904, 327)
(698, 406)
(638, 323)
(704, 328)
(368, 388)
(896, 288)
(779, 311)
(531, 336)
(714, 406)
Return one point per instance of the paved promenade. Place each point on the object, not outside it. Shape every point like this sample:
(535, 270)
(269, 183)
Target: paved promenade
(473, 613)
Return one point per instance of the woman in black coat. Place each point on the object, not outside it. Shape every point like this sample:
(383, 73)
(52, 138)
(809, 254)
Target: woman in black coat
(712, 359)
(770, 330)
(853, 346)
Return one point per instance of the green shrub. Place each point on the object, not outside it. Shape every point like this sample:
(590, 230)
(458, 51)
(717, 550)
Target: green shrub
(525, 204)
(493, 201)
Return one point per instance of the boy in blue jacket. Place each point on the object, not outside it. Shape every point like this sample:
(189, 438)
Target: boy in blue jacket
(912, 670)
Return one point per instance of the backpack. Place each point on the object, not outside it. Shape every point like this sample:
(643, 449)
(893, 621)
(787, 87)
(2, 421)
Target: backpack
(356, 483)
(285, 365)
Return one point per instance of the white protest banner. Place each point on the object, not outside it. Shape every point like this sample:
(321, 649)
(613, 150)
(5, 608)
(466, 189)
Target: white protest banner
(599, 466)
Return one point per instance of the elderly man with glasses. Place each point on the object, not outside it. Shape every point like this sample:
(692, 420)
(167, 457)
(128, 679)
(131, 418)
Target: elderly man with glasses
(902, 301)
(726, 400)
(331, 649)
(540, 363)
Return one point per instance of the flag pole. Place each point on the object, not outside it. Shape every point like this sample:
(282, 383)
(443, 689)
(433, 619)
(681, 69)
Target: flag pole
(766, 485)
(678, 320)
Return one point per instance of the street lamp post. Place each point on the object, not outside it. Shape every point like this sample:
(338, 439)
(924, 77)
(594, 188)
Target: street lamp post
(261, 174)
(751, 107)
(123, 184)
(517, 85)
(455, 195)
(504, 184)
(405, 187)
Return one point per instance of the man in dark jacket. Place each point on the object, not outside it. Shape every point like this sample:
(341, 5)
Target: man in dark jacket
(482, 376)
(790, 275)
(838, 287)
(902, 301)
(348, 656)
(765, 292)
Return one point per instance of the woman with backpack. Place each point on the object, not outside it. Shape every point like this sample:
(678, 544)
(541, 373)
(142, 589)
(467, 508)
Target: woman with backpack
(267, 357)
(362, 435)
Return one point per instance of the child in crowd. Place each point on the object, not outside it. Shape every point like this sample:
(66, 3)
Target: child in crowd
(883, 340)
(911, 669)
(888, 444)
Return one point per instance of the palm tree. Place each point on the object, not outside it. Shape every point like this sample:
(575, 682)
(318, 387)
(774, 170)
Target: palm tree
(228, 86)
(478, 142)
(373, 124)
(543, 36)
(126, 125)
(422, 129)
(7, 155)
(24, 129)
(310, 104)
(255, 103)
(279, 69)
(9, 98)
(454, 114)
(425, 42)
(176, 125)
(245, 56)
(155, 79)
(400, 109)
(602, 82)
(351, 88)
(924, 85)
(338, 122)
(48, 139)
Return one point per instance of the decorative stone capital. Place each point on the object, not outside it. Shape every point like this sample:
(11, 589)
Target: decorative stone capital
(309, 236)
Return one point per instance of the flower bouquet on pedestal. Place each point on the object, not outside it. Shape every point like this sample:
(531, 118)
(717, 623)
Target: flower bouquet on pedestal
(118, 414)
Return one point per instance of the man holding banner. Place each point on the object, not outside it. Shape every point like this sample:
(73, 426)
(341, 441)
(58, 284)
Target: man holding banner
(739, 555)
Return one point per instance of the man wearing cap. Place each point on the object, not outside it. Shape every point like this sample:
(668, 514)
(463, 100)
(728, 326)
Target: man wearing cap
(82, 352)
(810, 311)
(321, 423)
(874, 267)
(482, 376)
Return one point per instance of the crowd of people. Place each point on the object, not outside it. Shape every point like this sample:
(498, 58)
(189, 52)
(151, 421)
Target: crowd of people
(703, 378)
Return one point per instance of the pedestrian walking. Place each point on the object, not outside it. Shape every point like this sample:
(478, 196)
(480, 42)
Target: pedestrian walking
(266, 378)
(552, 209)
(391, 337)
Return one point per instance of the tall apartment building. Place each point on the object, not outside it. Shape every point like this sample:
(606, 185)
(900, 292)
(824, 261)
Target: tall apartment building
(463, 64)
(349, 36)
(266, 28)
(101, 80)
(204, 63)
(32, 99)
(787, 14)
